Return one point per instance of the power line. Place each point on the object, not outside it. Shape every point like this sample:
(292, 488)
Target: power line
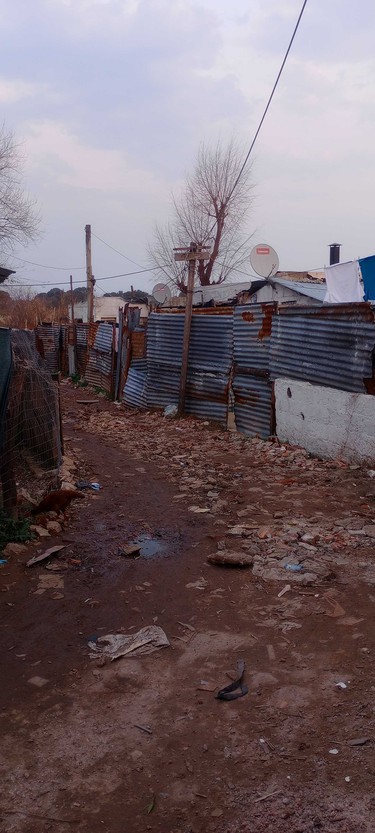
(105, 278)
(116, 250)
(269, 99)
(243, 166)
(43, 265)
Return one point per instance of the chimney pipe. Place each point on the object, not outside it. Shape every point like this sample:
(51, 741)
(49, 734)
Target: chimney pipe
(334, 253)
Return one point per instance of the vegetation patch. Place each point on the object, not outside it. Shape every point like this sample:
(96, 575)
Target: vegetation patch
(14, 531)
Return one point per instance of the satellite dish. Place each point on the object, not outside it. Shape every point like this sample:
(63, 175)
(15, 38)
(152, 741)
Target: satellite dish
(264, 260)
(161, 293)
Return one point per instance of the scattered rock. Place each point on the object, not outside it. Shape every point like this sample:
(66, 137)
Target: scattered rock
(54, 526)
(14, 549)
(231, 558)
(39, 682)
(40, 531)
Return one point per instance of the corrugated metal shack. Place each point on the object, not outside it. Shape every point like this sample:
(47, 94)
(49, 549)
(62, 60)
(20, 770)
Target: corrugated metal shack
(245, 350)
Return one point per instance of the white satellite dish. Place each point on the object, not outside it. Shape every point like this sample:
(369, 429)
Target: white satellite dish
(264, 260)
(161, 293)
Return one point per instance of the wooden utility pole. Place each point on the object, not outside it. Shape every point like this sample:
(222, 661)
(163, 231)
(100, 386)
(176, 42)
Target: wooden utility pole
(72, 297)
(191, 254)
(74, 326)
(89, 276)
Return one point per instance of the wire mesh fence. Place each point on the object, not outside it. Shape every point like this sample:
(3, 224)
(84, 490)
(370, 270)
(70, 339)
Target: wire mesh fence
(30, 432)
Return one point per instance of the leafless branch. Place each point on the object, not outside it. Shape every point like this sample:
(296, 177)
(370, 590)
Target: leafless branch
(19, 219)
(209, 214)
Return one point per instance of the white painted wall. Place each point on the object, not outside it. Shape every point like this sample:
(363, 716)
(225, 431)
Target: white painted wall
(105, 307)
(327, 422)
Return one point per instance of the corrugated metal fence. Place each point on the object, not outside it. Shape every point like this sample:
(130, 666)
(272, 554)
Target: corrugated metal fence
(210, 363)
(330, 345)
(100, 359)
(251, 376)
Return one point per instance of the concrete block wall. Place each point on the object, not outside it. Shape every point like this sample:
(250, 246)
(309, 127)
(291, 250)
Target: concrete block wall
(327, 422)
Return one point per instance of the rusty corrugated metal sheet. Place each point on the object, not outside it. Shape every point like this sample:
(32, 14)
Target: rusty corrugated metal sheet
(207, 396)
(330, 345)
(251, 383)
(99, 366)
(49, 336)
(210, 362)
(252, 326)
(211, 341)
(253, 405)
(135, 386)
(164, 339)
(104, 338)
(138, 344)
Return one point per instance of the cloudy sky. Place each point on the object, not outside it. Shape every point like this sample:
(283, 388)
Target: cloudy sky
(111, 99)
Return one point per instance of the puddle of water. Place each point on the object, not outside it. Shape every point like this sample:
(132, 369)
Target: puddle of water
(150, 546)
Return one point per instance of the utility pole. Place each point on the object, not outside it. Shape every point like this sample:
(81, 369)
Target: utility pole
(89, 276)
(72, 297)
(74, 326)
(191, 254)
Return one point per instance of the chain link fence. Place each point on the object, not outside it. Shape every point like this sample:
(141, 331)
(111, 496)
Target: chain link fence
(30, 426)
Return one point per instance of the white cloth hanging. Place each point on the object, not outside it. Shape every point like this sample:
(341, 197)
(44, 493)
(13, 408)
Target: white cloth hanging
(343, 283)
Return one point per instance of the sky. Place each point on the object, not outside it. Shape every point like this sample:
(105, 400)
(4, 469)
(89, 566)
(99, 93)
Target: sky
(110, 100)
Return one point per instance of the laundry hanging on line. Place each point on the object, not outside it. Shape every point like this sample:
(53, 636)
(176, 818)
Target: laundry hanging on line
(343, 283)
(367, 267)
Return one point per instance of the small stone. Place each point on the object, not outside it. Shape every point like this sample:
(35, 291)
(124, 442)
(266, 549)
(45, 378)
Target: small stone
(14, 549)
(369, 530)
(40, 531)
(136, 755)
(54, 526)
(39, 682)
(309, 538)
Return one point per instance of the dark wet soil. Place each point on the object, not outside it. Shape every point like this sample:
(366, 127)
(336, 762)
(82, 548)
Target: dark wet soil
(142, 743)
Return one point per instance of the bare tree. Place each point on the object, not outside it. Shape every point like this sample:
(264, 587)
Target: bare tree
(212, 211)
(19, 220)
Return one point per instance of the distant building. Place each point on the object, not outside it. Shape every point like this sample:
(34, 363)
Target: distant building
(106, 309)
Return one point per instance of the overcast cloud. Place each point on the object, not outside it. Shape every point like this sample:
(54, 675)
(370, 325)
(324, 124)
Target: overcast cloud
(111, 99)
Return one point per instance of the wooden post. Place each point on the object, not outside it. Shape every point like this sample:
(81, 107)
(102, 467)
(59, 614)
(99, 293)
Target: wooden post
(75, 353)
(89, 276)
(72, 297)
(119, 354)
(187, 329)
(192, 254)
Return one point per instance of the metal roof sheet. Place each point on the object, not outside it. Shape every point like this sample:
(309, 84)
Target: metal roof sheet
(311, 290)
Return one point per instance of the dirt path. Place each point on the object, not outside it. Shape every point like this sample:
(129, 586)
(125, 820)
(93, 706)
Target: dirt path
(72, 753)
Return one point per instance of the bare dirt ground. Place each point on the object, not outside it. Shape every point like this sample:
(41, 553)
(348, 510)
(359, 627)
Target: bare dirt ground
(142, 743)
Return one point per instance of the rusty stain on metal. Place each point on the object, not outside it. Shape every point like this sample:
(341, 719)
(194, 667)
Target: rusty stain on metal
(248, 316)
(265, 330)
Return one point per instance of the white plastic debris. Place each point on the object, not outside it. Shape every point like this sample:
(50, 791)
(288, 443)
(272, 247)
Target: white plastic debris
(333, 751)
(347, 778)
(115, 645)
(341, 685)
(170, 411)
